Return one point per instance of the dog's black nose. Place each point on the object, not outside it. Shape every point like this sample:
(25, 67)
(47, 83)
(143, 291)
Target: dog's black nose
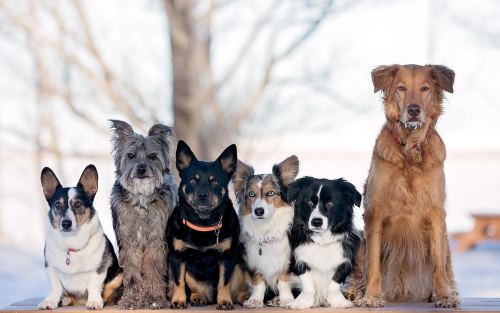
(414, 110)
(141, 170)
(259, 211)
(203, 196)
(66, 224)
(317, 222)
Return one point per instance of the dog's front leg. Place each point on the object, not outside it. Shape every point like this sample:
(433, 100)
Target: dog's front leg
(52, 300)
(94, 290)
(256, 300)
(305, 300)
(373, 295)
(178, 277)
(441, 285)
(284, 290)
(226, 270)
(335, 297)
(154, 267)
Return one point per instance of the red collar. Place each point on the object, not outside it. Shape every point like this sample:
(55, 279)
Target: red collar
(202, 228)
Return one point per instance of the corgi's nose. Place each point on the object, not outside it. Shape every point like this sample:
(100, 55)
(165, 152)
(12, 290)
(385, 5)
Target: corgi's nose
(259, 211)
(66, 224)
(141, 170)
(317, 222)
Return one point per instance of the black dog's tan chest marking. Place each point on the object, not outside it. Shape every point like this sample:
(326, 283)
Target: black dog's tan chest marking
(180, 245)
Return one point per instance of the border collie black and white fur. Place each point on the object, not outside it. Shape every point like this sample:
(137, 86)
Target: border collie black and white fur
(324, 241)
(266, 218)
(79, 259)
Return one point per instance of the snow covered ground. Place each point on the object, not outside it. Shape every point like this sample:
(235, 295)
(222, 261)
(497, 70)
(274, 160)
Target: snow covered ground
(22, 273)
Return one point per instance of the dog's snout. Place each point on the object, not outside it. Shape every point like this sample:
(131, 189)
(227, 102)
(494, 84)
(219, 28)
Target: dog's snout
(141, 170)
(317, 222)
(203, 196)
(66, 224)
(259, 211)
(414, 110)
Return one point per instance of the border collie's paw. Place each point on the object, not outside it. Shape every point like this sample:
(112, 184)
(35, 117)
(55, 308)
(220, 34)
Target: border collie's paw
(370, 302)
(302, 302)
(284, 302)
(225, 305)
(95, 304)
(47, 305)
(446, 302)
(339, 302)
(253, 304)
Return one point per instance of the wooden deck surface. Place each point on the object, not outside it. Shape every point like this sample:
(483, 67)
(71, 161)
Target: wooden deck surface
(468, 305)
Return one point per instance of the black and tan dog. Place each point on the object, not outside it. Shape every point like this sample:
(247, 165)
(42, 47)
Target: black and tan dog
(203, 234)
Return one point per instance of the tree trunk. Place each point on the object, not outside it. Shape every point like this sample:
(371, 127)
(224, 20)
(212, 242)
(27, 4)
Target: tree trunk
(197, 119)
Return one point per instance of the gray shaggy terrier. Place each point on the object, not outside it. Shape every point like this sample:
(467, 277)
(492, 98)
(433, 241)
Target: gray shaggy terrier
(142, 199)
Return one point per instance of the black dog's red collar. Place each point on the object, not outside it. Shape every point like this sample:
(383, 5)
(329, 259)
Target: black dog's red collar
(202, 228)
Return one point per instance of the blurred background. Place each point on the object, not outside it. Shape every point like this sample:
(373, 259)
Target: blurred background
(277, 77)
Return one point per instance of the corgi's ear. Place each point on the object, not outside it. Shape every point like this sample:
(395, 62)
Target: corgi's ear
(228, 159)
(88, 181)
(287, 170)
(50, 183)
(183, 156)
(241, 177)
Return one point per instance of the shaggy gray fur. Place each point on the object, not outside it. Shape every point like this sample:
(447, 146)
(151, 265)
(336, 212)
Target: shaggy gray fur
(142, 199)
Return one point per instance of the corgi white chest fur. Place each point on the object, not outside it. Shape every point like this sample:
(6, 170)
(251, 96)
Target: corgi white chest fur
(267, 244)
(323, 255)
(89, 241)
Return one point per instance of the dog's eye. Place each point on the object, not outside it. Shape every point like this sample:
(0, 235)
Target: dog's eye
(401, 88)
(424, 88)
(271, 193)
(329, 205)
(77, 204)
(251, 194)
(58, 207)
(214, 182)
(130, 155)
(310, 203)
(152, 156)
(193, 181)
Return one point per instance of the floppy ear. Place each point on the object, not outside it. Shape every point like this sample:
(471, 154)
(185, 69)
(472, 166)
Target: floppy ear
(287, 170)
(241, 176)
(50, 183)
(382, 77)
(162, 132)
(444, 77)
(121, 131)
(228, 159)
(183, 156)
(88, 181)
(353, 197)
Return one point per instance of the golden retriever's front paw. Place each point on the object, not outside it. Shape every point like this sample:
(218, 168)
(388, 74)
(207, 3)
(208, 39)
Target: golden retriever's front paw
(446, 302)
(370, 302)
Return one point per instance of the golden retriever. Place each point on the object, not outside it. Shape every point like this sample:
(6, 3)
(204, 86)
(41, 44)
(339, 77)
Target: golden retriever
(407, 255)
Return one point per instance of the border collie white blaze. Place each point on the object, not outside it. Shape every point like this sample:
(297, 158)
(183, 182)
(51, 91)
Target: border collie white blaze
(323, 239)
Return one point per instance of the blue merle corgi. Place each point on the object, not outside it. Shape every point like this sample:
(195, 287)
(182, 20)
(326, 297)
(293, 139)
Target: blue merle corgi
(80, 263)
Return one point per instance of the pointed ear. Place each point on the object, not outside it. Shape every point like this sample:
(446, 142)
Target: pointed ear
(88, 181)
(444, 77)
(287, 170)
(121, 131)
(50, 183)
(183, 156)
(352, 196)
(382, 77)
(228, 159)
(162, 132)
(241, 176)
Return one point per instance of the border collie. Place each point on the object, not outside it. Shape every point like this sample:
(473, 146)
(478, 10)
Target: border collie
(324, 241)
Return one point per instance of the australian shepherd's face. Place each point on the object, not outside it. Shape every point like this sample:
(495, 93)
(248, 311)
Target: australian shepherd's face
(323, 204)
(262, 196)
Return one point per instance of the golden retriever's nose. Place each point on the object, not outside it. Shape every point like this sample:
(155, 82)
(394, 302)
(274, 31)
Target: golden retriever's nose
(414, 110)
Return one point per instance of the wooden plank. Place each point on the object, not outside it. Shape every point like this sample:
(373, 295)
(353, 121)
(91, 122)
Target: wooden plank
(467, 305)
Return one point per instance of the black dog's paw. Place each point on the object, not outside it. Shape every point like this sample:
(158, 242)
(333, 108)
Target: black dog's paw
(197, 300)
(225, 305)
(180, 304)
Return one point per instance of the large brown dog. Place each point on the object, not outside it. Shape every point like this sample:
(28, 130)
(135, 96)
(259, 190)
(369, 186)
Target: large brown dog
(408, 255)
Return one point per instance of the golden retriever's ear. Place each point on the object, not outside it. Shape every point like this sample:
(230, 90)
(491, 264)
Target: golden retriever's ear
(444, 77)
(382, 77)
